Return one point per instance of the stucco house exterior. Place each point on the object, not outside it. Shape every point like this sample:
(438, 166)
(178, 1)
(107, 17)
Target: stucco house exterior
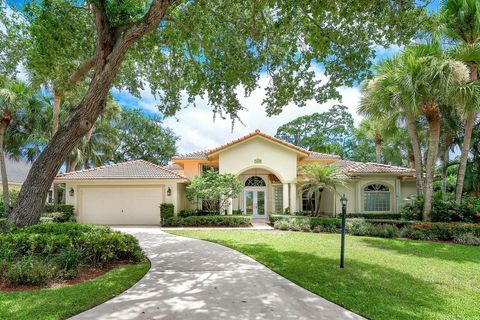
(131, 192)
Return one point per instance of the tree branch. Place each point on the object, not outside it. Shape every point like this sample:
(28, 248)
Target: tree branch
(80, 72)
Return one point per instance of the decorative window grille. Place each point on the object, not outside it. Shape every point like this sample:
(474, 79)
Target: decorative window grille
(377, 198)
(255, 181)
(278, 198)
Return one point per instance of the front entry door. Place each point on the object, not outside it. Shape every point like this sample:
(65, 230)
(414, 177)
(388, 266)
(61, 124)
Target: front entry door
(255, 202)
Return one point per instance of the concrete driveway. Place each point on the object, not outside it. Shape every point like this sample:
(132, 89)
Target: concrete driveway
(194, 279)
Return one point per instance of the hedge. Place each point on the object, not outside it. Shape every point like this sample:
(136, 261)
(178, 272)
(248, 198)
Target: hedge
(167, 211)
(385, 216)
(208, 221)
(464, 233)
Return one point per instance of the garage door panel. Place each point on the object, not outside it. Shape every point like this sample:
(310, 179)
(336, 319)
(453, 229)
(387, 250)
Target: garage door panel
(121, 205)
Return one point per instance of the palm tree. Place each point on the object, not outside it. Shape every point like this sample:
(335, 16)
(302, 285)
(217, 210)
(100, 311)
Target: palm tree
(314, 178)
(389, 95)
(372, 128)
(11, 98)
(418, 82)
(462, 23)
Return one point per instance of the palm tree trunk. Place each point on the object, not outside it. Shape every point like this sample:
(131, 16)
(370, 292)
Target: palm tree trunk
(72, 164)
(318, 202)
(462, 168)
(445, 159)
(56, 111)
(6, 195)
(378, 150)
(432, 113)
(467, 139)
(417, 153)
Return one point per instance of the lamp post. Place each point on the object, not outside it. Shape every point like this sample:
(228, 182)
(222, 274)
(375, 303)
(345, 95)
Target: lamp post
(343, 201)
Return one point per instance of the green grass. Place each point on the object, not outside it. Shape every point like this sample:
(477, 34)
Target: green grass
(382, 279)
(49, 304)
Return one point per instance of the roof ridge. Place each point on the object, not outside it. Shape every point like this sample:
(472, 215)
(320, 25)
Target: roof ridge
(95, 168)
(160, 167)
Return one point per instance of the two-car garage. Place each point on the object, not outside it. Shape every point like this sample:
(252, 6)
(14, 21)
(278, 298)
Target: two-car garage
(127, 193)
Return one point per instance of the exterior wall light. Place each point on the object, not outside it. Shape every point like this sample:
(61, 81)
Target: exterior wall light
(169, 192)
(71, 192)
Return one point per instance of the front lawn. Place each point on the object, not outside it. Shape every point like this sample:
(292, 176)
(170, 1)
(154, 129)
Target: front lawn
(60, 303)
(383, 278)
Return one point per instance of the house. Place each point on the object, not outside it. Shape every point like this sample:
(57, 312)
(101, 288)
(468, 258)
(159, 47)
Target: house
(131, 192)
(17, 171)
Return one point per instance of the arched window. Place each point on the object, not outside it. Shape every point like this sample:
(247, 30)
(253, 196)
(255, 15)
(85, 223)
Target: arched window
(255, 181)
(376, 198)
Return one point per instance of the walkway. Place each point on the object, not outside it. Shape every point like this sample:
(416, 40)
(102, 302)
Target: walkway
(193, 279)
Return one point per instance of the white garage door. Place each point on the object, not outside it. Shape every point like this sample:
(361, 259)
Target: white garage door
(120, 205)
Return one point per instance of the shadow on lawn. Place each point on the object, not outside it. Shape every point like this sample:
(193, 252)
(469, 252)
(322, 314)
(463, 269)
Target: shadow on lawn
(371, 290)
(425, 249)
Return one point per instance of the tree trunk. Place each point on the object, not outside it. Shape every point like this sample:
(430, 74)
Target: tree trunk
(72, 165)
(467, 139)
(56, 111)
(3, 168)
(378, 149)
(432, 113)
(445, 159)
(462, 168)
(111, 46)
(317, 209)
(417, 153)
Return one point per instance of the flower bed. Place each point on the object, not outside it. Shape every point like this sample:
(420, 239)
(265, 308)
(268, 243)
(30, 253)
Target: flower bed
(464, 233)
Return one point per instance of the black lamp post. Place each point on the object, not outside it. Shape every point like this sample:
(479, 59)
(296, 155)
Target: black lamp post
(343, 201)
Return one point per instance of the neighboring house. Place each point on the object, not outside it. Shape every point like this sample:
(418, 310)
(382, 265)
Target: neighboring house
(17, 171)
(131, 192)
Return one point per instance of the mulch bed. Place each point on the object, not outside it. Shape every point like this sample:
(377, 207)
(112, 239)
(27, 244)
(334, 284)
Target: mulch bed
(83, 275)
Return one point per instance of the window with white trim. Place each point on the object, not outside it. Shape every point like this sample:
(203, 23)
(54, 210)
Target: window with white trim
(376, 198)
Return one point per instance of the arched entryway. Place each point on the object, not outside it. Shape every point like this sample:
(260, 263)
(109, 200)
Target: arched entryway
(264, 192)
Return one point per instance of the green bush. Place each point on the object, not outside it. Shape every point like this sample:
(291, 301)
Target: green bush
(281, 224)
(208, 221)
(383, 216)
(468, 239)
(383, 231)
(28, 271)
(445, 210)
(397, 223)
(64, 248)
(193, 212)
(64, 208)
(167, 210)
(357, 227)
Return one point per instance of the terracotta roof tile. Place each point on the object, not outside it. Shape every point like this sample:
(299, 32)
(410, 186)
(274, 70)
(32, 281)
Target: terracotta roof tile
(137, 169)
(351, 168)
(319, 155)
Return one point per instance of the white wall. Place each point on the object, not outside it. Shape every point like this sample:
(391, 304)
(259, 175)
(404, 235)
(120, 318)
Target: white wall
(280, 160)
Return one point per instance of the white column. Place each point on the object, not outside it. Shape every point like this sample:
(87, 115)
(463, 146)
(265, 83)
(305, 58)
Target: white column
(285, 196)
(230, 206)
(293, 197)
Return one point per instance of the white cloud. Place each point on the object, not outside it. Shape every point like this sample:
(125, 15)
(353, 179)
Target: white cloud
(198, 131)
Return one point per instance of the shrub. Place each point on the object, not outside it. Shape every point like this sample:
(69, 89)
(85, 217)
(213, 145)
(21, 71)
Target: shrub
(383, 216)
(28, 271)
(282, 224)
(167, 210)
(383, 231)
(357, 227)
(208, 221)
(397, 223)
(61, 217)
(309, 214)
(467, 238)
(440, 231)
(63, 248)
(192, 212)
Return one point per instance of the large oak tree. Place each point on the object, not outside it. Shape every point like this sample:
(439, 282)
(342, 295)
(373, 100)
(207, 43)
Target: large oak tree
(210, 48)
